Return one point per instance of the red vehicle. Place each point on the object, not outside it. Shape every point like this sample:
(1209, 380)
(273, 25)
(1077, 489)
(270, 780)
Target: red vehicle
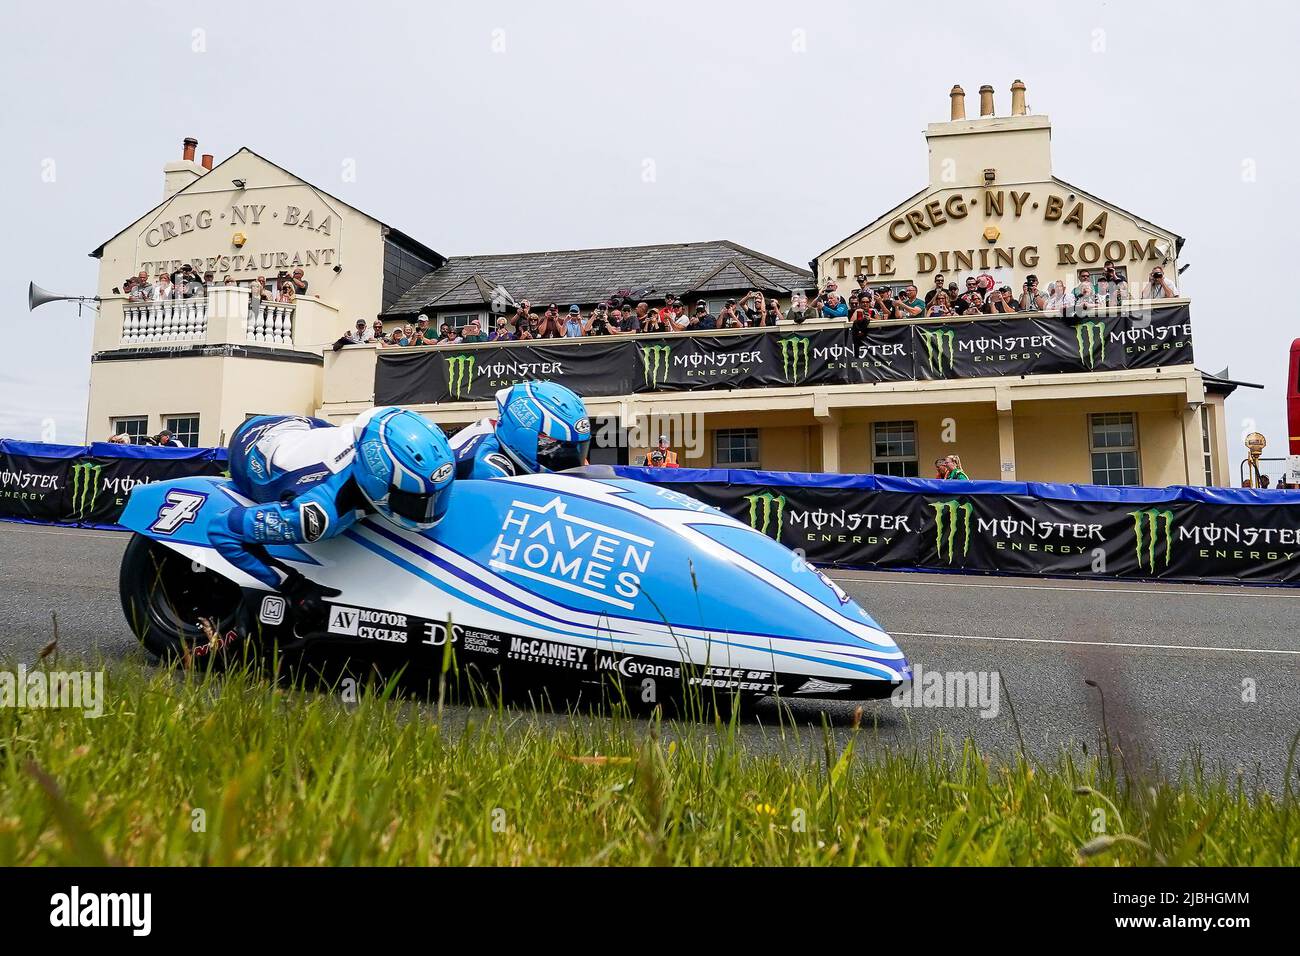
(1293, 398)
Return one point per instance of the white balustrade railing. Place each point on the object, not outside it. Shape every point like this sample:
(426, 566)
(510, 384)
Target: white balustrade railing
(176, 320)
(271, 323)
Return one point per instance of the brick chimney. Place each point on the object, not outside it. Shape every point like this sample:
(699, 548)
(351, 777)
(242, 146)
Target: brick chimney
(180, 173)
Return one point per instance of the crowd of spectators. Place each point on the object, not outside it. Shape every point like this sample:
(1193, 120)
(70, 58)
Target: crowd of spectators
(858, 307)
(187, 283)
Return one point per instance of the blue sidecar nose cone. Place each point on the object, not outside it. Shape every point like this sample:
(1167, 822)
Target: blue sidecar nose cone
(707, 586)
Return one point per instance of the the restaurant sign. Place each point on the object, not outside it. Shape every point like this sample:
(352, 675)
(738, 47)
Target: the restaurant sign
(300, 237)
(791, 356)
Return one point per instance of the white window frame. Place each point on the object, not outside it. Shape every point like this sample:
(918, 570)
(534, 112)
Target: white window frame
(459, 320)
(169, 419)
(914, 458)
(1095, 419)
(115, 424)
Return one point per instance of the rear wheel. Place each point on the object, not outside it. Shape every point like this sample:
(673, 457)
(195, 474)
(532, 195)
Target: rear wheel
(168, 599)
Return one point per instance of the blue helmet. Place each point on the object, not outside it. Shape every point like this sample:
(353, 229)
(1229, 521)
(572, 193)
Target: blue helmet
(543, 426)
(403, 466)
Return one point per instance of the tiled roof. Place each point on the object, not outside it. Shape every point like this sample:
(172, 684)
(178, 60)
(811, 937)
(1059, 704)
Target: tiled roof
(735, 274)
(472, 290)
(587, 276)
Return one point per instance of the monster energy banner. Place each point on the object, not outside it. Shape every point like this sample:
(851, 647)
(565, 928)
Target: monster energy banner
(1184, 534)
(792, 355)
(1091, 343)
(777, 357)
(72, 484)
(596, 366)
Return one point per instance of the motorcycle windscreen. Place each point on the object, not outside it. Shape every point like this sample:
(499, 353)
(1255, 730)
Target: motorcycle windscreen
(556, 455)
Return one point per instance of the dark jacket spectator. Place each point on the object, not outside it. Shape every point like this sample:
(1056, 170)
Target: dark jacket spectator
(938, 287)
(860, 323)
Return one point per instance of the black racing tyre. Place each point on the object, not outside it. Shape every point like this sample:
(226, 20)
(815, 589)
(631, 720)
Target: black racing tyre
(165, 596)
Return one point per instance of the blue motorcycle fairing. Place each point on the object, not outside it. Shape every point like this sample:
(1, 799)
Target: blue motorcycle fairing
(614, 565)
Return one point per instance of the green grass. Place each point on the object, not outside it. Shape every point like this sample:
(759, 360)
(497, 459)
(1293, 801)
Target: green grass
(288, 777)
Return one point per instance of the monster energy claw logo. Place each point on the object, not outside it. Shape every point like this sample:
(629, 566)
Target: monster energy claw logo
(937, 343)
(460, 374)
(947, 516)
(763, 508)
(1091, 337)
(1149, 524)
(655, 360)
(85, 487)
(794, 348)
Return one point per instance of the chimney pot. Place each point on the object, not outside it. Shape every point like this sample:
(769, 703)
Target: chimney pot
(986, 100)
(958, 102)
(207, 160)
(1018, 98)
(190, 144)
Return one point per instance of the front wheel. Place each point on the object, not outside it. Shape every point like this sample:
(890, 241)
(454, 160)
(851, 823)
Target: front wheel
(177, 608)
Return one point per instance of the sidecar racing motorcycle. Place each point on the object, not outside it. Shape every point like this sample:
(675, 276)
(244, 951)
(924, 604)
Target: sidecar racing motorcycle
(552, 581)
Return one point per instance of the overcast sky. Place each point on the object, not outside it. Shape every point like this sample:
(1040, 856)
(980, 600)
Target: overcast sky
(499, 127)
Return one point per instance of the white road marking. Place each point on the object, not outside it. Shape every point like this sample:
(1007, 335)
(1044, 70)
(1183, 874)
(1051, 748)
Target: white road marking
(1049, 640)
(68, 532)
(1086, 587)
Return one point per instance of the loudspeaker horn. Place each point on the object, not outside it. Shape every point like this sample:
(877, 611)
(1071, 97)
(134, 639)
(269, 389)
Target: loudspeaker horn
(36, 296)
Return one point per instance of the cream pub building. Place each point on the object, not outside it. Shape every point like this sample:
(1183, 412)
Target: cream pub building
(992, 205)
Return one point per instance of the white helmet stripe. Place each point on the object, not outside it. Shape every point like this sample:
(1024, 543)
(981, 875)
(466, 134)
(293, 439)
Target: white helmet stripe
(399, 471)
(547, 418)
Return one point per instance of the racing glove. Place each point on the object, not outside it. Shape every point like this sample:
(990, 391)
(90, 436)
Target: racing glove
(306, 597)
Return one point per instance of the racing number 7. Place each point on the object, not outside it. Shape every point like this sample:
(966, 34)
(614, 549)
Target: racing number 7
(181, 507)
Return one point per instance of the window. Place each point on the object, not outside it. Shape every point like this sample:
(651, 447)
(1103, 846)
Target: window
(185, 429)
(458, 321)
(735, 447)
(893, 449)
(134, 426)
(1207, 446)
(1113, 444)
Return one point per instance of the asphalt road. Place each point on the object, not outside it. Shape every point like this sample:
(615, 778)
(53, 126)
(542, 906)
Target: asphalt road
(1173, 661)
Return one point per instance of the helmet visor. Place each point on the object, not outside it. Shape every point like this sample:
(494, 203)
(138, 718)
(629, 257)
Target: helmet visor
(421, 507)
(556, 455)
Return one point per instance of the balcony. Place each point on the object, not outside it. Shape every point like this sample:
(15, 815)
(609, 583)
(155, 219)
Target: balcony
(444, 382)
(1140, 337)
(152, 322)
(224, 316)
(272, 324)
